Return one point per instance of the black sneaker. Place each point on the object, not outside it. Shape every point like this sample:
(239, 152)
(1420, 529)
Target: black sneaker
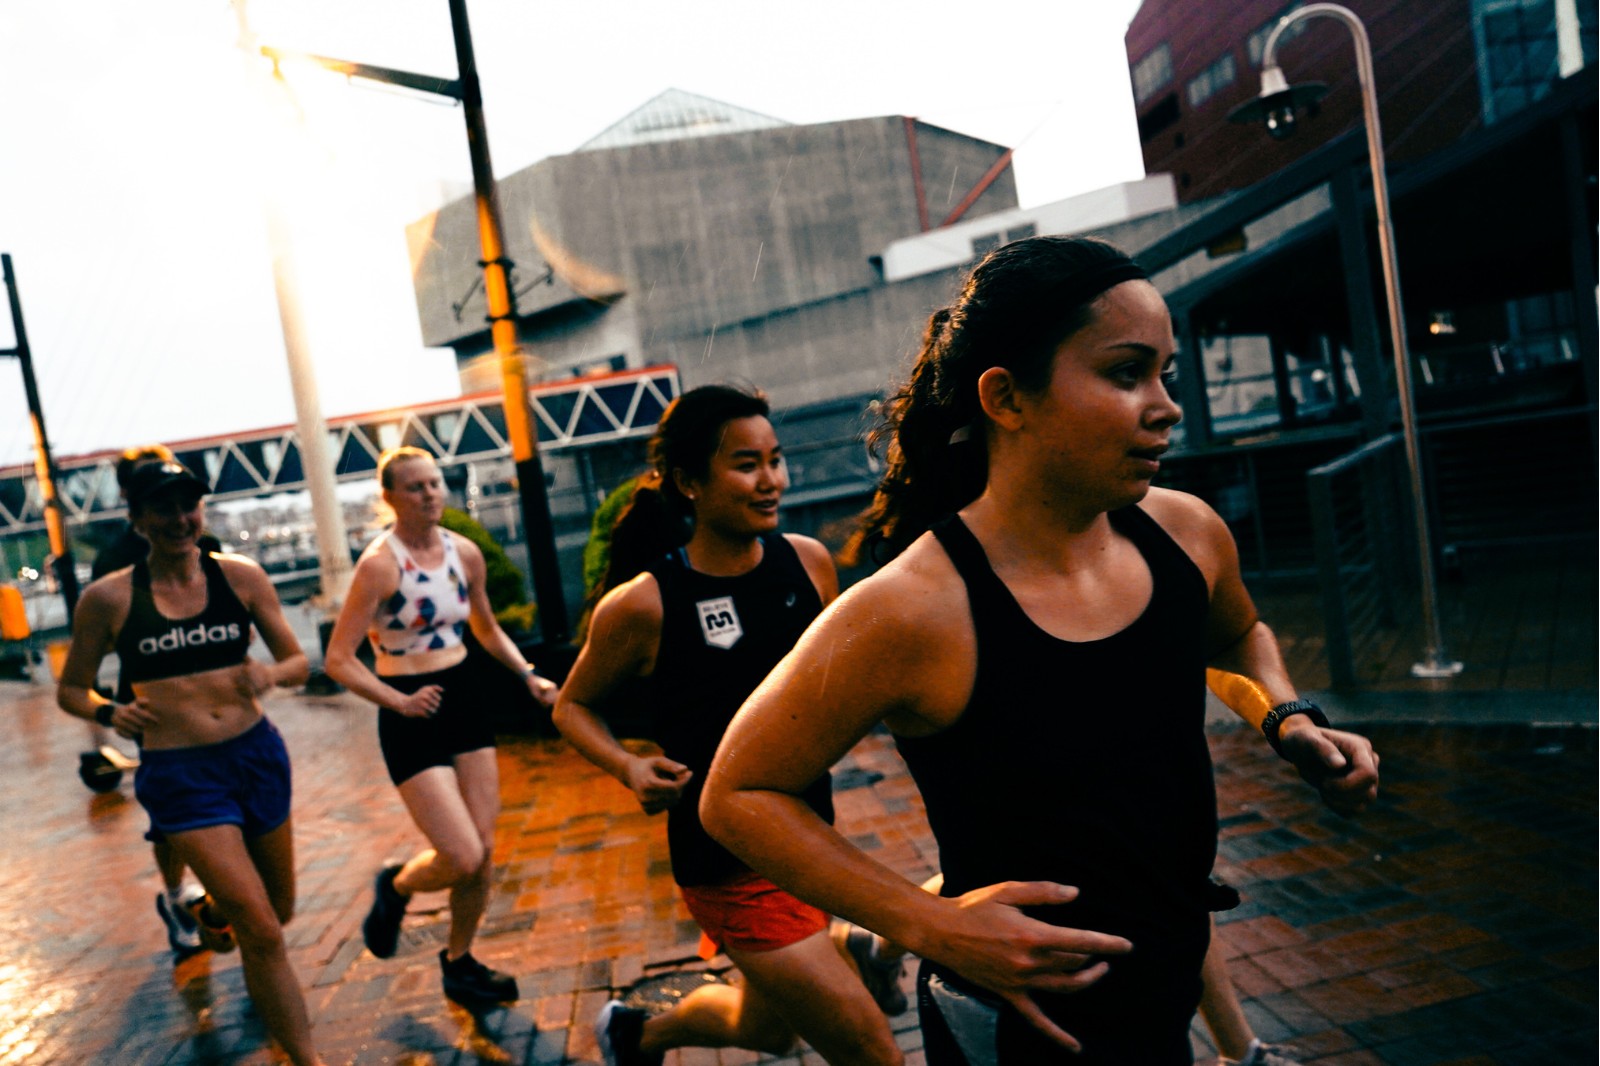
(381, 930)
(881, 976)
(470, 981)
(183, 932)
(617, 1031)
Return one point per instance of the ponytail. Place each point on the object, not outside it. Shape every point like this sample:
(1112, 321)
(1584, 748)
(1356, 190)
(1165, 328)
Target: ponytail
(1019, 304)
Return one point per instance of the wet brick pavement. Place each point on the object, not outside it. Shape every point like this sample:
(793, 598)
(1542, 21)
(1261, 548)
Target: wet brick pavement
(1455, 923)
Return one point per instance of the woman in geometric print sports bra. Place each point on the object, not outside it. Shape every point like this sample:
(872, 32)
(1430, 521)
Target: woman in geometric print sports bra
(416, 590)
(1038, 645)
(214, 776)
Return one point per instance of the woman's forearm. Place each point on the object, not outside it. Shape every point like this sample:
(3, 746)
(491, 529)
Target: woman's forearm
(291, 671)
(353, 674)
(779, 836)
(588, 732)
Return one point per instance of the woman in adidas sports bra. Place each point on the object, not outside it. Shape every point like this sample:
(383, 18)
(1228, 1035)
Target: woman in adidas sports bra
(694, 627)
(1038, 647)
(415, 592)
(214, 773)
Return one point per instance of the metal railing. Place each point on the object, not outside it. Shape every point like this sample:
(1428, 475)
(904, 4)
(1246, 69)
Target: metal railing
(1358, 503)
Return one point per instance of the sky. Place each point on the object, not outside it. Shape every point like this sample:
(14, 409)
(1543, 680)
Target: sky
(139, 149)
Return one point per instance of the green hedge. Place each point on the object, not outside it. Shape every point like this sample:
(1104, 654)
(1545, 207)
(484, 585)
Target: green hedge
(507, 592)
(597, 553)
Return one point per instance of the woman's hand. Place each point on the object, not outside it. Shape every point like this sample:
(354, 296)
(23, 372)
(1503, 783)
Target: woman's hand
(989, 941)
(543, 689)
(1341, 765)
(253, 678)
(422, 703)
(656, 781)
(130, 720)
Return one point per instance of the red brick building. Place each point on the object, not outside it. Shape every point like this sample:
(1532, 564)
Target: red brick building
(1193, 61)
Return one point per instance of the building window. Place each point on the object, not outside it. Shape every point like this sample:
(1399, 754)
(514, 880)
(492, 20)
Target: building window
(1159, 117)
(1258, 40)
(1517, 52)
(1210, 81)
(1152, 73)
(985, 244)
(1022, 232)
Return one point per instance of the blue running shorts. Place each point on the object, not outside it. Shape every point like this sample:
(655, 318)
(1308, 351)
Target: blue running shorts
(243, 781)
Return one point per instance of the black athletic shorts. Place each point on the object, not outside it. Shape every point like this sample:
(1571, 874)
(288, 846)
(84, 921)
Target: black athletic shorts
(462, 723)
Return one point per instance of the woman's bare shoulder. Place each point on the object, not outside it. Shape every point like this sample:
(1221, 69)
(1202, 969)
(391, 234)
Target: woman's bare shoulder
(1197, 528)
(919, 593)
(631, 605)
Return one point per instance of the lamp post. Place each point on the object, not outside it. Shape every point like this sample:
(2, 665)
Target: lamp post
(502, 306)
(44, 464)
(1276, 106)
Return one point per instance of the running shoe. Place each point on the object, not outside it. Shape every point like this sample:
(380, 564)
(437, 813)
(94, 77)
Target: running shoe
(1264, 1055)
(183, 932)
(617, 1032)
(881, 976)
(466, 980)
(99, 773)
(381, 930)
(217, 938)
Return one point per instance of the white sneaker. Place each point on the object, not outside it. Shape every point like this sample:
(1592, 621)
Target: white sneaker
(182, 933)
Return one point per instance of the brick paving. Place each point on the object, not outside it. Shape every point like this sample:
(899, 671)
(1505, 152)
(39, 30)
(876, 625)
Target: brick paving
(1455, 923)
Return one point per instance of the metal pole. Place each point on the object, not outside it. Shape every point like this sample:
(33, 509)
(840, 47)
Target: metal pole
(501, 300)
(1435, 663)
(44, 465)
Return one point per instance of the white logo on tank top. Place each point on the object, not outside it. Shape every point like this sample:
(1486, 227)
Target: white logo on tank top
(720, 622)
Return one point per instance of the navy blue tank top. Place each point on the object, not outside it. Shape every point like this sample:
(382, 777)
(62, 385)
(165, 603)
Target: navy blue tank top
(720, 638)
(1086, 763)
(152, 646)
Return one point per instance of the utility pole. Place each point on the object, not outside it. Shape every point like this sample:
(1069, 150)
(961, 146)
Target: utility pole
(502, 302)
(43, 463)
(521, 427)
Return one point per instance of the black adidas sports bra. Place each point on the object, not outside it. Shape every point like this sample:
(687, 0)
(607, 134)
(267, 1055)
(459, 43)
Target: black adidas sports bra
(153, 647)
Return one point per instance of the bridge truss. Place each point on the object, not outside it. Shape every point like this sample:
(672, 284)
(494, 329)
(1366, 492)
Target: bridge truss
(569, 414)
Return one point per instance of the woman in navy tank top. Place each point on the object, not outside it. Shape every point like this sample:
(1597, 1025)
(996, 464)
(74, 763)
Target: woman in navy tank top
(214, 773)
(703, 596)
(1038, 647)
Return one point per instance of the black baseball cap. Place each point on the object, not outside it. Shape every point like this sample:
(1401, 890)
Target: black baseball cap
(152, 479)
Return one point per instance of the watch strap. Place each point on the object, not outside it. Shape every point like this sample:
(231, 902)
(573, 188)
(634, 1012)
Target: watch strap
(1274, 719)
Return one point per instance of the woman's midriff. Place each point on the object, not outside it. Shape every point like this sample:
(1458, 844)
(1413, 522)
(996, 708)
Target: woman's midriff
(419, 662)
(196, 709)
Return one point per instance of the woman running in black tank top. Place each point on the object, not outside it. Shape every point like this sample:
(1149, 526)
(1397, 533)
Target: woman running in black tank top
(693, 628)
(1042, 662)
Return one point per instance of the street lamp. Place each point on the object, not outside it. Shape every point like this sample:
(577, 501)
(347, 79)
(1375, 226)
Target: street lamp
(1276, 107)
(502, 306)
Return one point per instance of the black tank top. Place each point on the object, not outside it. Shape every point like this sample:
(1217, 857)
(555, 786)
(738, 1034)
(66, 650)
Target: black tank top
(720, 638)
(152, 646)
(1086, 763)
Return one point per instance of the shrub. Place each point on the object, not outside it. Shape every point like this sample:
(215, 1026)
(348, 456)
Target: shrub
(597, 553)
(503, 581)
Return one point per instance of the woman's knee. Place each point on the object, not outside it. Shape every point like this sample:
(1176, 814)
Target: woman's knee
(461, 861)
(257, 927)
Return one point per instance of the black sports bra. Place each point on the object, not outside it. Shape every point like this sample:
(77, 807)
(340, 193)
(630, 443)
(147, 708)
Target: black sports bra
(153, 647)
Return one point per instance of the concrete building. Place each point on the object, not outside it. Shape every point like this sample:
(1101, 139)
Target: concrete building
(804, 259)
